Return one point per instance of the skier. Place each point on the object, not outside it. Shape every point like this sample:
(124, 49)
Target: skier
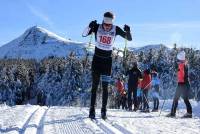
(102, 60)
(134, 75)
(146, 85)
(155, 89)
(183, 87)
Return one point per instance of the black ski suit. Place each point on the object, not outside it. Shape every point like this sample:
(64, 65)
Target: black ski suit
(101, 65)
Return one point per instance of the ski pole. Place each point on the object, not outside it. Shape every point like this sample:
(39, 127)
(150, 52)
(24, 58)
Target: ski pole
(146, 99)
(147, 85)
(87, 54)
(90, 41)
(125, 48)
(162, 107)
(125, 54)
(144, 94)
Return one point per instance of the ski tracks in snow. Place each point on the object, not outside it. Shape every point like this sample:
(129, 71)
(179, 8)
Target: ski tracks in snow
(107, 126)
(27, 119)
(22, 120)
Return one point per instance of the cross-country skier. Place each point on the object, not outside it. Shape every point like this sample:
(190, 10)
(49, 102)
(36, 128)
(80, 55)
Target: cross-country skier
(102, 61)
(183, 87)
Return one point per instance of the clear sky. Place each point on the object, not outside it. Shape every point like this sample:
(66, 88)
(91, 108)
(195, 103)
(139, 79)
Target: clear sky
(151, 21)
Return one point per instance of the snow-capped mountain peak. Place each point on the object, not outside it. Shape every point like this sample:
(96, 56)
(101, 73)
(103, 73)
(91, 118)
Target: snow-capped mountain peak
(37, 43)
(38, 35)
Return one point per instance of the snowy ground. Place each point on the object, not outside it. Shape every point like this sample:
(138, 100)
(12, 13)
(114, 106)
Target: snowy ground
(28, 119)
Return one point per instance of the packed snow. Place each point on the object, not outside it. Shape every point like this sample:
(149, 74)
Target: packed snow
(33, 119)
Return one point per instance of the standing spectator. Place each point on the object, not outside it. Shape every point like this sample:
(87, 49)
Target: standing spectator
(134, 75)
(146, 85)
(183, 87)
(155, 89)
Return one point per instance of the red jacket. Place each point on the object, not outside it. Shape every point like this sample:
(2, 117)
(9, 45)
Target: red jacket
(181, 73)
(120, 86)
(146, 82)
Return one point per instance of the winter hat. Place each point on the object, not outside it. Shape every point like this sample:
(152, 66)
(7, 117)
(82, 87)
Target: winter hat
(135, 64)
(108, 17)
(181, 55)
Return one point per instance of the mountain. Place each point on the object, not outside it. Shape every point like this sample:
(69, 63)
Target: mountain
(154, 47)
(37, 43)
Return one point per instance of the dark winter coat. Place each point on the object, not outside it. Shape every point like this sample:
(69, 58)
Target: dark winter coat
(134, 75)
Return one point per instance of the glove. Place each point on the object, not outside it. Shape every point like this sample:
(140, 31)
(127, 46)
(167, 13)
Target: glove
(93, 24)
(127, 28)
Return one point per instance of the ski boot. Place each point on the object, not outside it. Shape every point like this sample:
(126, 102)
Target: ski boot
(187, 115)
(172, 115)
(92, 113)
(145, 111)
(103, 114)
(154, 110)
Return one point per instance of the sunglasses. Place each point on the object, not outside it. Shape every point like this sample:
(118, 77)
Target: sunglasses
(107, 25)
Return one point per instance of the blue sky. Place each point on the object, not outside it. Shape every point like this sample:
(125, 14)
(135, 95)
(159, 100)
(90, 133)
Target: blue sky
(151, 21)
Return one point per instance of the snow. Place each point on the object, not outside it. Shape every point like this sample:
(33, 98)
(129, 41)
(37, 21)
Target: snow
(30, 119)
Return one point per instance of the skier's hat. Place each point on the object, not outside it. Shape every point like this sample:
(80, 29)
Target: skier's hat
(181, 56)
(108, 18)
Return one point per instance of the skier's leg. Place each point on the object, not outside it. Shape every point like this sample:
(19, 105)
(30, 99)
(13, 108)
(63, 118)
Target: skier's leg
(154, 103)
(129, 99)
(147, 101)
(95, 83)
(105, 82)
(122, 101)
(135, 98)
(157, 104)
(186, 99)
(143, 100)
(105, 94)
(175, 100)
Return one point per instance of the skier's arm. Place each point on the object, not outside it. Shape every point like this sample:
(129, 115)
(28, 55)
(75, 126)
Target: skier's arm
(124, 34)
(93, 27)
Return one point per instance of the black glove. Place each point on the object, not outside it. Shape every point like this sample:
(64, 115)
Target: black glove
(127, 28)
(93, 24)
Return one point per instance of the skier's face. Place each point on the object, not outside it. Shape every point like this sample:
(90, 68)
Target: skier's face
(107, 27)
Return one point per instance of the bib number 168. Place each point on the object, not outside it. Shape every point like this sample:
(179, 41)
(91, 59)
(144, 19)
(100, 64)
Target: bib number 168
(105, 39)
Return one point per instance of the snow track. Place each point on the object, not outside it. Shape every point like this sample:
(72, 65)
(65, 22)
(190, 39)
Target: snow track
(17, 120)
(28, 119)
(108, 126)
(63, 120)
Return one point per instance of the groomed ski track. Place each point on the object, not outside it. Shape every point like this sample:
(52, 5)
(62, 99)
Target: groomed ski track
(29, 119)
